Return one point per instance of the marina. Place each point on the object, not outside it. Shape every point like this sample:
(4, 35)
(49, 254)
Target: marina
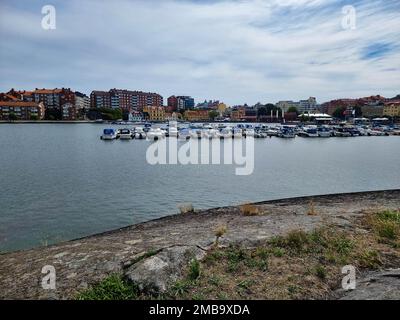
(156, 131)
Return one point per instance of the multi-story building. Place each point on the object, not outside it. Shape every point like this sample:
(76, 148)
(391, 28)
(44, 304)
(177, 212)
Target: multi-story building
(154, 113)
(238, 114)
(176, 103)
(309, 105)
(286, 105)
(21, 110)
(136, 116)
(197, 115)
(54, 98)
(62, 100)
(82, 101)
(210, 105)
(13, 95)
(172, 102)
(370, 111)
(392, 109)
(100, 99)
(125, 100)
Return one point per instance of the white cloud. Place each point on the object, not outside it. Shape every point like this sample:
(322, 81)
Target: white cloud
(236, 51)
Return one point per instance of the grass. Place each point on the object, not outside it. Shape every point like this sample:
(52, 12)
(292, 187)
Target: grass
(249, 209)
(111, 288)
(219, 232)
(299, 265)
(386, 226)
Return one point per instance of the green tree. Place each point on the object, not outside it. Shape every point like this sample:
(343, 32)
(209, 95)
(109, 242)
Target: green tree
(213, 114)
(12, 116)
(293, 109)
(339, 113)
(34, 117)
(262, 111)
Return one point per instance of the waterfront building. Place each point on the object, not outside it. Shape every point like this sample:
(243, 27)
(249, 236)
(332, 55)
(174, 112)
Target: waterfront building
(392, 109)
(21, 110)
(125, 100)
(176, 103)
(197, 115)
(154, 113)
(210, 105)
(61, 101)
(237, 114)
(371, 111)
(14, 95)
(171, 116)
(135, 116)
(286, 105)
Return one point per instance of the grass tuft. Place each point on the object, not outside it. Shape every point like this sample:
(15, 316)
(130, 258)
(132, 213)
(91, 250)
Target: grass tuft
(111, 288)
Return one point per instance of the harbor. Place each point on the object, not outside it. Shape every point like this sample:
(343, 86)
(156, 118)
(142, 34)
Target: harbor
(186, 131)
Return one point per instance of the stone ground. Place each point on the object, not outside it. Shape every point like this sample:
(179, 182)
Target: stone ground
(86, 261)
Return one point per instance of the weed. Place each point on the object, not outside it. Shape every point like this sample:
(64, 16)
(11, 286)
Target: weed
(111, 288)
(249, 210)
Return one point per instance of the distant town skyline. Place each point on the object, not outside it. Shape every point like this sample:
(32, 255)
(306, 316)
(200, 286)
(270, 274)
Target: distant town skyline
(233, 51)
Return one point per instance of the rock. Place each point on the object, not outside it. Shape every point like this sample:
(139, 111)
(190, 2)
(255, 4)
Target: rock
(381, 285)
(155, 274)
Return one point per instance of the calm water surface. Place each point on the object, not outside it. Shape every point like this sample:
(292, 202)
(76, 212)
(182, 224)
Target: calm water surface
(60, 182)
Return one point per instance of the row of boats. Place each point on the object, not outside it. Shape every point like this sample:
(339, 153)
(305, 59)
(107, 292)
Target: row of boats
(242, 131)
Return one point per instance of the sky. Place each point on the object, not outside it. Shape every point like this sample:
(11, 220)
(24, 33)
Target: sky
(234, 51)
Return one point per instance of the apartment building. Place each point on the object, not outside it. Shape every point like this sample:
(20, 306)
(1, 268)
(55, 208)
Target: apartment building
(154, 113)
(21, 110)
(392, 109)
(125, 100)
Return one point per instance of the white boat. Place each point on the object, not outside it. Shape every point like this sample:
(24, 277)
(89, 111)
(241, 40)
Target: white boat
(272, 132)
(195, 134)
(139, 133)
(309, 132)
(342, 133)
(184, 134)
(249, 132)
(173, 129)
(125, 134)
(237, 133)
(226, 133)
(211, 134)
(109, 134)
(155, 134)
(324, 132)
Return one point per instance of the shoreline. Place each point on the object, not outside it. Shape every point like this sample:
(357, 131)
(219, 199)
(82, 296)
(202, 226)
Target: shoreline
(81, 262)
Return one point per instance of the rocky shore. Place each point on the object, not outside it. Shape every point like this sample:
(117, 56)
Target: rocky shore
(159, 249)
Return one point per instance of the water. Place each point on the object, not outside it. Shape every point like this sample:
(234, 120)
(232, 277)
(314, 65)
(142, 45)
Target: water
(60, 182)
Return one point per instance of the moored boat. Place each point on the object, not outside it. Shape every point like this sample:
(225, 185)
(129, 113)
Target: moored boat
(109, 134)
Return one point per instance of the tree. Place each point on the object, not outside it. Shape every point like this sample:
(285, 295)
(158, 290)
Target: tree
(12, 116)
(34, 117)
(213, 114)
(262, 111)
(53, 114)
(358, 112)
(340, 113)
(293, 109)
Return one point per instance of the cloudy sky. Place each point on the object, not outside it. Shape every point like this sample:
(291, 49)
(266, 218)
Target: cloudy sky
(235, 51)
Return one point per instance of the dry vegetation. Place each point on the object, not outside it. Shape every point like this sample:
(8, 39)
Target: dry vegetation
(296, 266)
(249, 209)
